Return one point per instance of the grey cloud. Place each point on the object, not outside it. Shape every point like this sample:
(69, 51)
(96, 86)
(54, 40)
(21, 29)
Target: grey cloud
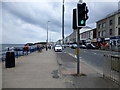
(18, 15)
(23, 14)
(99, 10)
(21, 11)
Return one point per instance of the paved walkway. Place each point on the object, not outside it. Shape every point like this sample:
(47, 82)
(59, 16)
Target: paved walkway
(33, 71)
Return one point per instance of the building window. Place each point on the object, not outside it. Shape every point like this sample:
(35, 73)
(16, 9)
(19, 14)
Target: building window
(103, 33)
(98, 34)
(118, 31)
(98, 25)
(118, 20)
(103, 25)
(110, 22)
(110, 31)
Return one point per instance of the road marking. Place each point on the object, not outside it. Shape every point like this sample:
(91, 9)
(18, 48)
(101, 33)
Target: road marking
(80, 57)
(95, 53)
(89, 65)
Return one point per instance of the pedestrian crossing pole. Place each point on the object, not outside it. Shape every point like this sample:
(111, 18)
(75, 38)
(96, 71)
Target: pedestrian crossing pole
(78, 44)
(77, 52)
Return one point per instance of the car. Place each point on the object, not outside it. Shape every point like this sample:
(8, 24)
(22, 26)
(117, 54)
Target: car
(83, 46)
(91, 46)
(65, 45)
(70, 45)
(58, 48)
(74, 46)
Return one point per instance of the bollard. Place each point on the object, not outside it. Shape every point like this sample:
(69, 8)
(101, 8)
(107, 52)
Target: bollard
(10, 60)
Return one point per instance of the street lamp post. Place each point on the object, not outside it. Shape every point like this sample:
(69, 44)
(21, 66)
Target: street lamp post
(47, 35)
(47, 30)
(63, 22)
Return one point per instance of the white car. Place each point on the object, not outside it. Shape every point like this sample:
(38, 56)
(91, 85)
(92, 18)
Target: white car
(74, 46)
(58, 48)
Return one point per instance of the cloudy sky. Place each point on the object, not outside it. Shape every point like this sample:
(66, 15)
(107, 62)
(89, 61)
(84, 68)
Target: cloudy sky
(24, 22)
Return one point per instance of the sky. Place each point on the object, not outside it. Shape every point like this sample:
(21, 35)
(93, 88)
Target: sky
(26, 22)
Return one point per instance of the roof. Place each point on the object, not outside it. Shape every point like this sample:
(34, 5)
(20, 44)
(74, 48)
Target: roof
(85, 29)
(109, 15)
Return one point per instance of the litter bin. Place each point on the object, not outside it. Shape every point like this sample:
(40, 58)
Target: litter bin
(10, 60)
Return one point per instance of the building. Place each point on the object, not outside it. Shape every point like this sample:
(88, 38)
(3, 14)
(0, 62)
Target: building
(71, 39)
(59, 41)
(87, 35)
(108, 31)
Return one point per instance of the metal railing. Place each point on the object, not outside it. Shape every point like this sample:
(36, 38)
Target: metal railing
(18, 51)
(111, 69)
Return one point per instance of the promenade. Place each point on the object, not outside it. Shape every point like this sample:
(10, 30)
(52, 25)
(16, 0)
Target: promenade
(33, 71)
(47, 70)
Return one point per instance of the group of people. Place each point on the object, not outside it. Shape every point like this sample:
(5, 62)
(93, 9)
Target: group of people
(48, 47)
(26, 49)
(104, 45)
(31, 48)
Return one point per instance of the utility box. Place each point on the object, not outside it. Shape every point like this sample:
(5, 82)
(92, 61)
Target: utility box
(10, 60)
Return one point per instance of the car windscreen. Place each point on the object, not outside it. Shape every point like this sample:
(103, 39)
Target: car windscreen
(57, 46)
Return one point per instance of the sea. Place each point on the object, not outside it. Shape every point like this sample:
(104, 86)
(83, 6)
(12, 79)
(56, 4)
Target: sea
(4, 48)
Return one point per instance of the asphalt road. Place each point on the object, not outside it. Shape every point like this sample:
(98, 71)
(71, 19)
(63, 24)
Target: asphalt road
(95, 58)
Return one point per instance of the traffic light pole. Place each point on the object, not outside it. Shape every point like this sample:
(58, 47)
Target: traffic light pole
(78, 44)
(77, 52)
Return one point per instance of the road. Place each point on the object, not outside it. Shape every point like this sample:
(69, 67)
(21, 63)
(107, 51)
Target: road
(95, 58)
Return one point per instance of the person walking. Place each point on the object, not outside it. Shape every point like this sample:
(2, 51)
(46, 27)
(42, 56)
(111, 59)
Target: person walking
(26, 49)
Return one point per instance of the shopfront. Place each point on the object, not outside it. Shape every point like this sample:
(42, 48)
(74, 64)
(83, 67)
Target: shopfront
(115, 43)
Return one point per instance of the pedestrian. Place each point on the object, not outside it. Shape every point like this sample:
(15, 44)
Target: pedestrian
(46, 48)
(26, 49)
(39, 48)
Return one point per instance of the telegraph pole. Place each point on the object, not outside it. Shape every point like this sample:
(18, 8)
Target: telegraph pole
(63, 22)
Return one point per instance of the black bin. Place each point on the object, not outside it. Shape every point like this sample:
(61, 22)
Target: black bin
(10, 60)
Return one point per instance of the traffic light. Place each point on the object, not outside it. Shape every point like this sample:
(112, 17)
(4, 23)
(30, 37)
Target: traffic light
(74, 22)
(82, 11)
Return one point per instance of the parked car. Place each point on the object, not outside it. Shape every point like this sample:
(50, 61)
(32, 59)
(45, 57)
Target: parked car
(83, 46)
(58, 48)
(70, 45)
(74, 46)
(91, 46)
(65, 45)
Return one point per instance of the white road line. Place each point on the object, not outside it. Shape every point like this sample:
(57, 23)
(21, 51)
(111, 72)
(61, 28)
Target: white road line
(95, 53)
